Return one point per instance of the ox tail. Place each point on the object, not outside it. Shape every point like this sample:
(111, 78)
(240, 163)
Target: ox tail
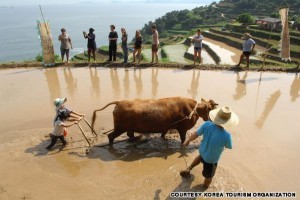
(95, 111)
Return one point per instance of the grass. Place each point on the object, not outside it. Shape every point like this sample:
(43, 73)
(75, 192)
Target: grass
(104, 48)
(164, 56)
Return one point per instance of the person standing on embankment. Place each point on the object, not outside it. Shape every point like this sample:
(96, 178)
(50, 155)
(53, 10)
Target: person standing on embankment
(124, 44)
(91, 45)
(137, 46)
(155, 43)
(197, 40)
(65, 45)
(248, 47)
(112, 37)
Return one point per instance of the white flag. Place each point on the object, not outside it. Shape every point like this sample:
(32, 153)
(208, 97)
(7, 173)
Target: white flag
(47, 44)
(284, 47)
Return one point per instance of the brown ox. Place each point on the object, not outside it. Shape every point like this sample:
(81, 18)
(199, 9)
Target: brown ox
(156, 116)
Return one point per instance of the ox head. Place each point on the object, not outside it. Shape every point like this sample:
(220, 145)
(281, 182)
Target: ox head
(205, 107)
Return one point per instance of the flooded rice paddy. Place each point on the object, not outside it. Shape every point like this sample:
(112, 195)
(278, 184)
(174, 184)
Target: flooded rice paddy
(265, 144)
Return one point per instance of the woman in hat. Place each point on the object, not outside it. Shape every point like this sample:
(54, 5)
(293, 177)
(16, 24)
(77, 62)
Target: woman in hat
(248, 47)
(91, 45)
(215, 139)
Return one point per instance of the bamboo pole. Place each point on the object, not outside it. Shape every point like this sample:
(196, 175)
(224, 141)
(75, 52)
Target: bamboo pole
(84, 135)
(93, 131)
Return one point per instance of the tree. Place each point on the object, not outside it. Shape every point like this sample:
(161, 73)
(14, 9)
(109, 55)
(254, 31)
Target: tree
(275, 15)
(246, 19)
(294, 18)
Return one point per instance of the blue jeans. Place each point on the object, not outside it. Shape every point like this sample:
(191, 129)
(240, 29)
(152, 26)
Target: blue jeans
(125, 52)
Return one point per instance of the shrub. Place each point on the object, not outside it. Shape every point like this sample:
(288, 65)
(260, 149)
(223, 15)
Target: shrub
(40, 58)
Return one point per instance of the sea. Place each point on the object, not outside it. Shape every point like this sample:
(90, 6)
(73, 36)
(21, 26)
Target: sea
(19, 38)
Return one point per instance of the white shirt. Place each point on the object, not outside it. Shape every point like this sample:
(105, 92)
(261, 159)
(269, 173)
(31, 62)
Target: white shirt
(198, 41)
(247, 46)
(58, 128)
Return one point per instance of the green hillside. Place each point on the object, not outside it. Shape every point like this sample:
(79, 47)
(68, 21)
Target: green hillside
(221, 13)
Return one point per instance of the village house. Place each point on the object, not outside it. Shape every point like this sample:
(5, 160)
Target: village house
(269, 23)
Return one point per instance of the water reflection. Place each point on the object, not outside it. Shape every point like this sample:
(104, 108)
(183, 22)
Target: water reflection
(154, 82)
(270, 103)
(138, 82)
(70, 81)
(295, 88)
(53, 83)
(240, 90)
(126, 84)
(194, 84)
(115, 82)
(95, 80)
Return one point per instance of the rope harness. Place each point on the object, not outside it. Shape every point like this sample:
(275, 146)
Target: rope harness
(194, 111)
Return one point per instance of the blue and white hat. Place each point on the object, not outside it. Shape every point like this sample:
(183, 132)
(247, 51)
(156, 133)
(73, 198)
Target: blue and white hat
(58, 102)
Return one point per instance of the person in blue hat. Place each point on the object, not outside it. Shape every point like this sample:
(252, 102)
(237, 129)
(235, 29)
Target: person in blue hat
(59, 128)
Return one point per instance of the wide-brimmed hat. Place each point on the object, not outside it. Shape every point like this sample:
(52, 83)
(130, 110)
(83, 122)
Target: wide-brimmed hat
(246, 36)
(58, 102)
(224, 117)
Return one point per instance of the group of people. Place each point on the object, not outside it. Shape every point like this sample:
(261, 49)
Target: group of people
(248, 47)
(66, 44)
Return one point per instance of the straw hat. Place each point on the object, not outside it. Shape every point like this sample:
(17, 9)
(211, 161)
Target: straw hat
(224, 117)
(246, 36)
(58, 102)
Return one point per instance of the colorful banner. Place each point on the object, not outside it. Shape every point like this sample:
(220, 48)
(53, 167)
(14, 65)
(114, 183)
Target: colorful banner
(284, 45)
(47, 44)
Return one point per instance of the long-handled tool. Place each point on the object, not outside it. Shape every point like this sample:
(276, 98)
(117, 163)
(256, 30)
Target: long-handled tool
(84, 135)
(93, 131)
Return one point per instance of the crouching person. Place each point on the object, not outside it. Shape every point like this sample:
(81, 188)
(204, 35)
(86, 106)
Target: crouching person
(58, 132)
(215, 139)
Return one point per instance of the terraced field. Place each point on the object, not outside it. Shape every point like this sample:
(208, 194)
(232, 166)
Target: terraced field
(148, 54)
(176, 53)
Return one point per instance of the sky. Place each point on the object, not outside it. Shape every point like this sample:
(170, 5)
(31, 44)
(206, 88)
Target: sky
(45, 2)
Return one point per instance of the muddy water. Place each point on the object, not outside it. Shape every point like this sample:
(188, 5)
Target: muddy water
(266, 142)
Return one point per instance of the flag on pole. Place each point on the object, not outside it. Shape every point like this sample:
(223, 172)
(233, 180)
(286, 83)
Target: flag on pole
(284, 43)
(46, 42)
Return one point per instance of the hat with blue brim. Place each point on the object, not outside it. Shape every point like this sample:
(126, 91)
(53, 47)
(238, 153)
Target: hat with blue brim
(58, 102)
